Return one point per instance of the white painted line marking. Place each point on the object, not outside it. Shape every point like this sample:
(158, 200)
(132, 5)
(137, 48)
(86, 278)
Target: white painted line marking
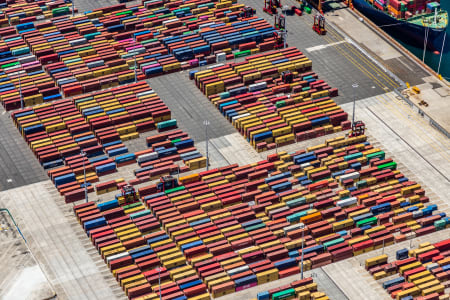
(321, 47)
(9, 180)
(405, 64)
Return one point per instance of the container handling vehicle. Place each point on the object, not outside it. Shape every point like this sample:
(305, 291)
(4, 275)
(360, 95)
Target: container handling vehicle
(358, 128)
(166, 183)
(128, 194)
(280, 22)
(287, 76)
(247, 12)
(271, 6)
(280, 39)
(319, 24)
(280, 35)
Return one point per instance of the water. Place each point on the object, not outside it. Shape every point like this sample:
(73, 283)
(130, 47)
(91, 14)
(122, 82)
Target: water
(432, 59)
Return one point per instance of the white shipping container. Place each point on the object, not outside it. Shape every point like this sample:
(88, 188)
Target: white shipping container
(347, 202)
(257, 86)
(221, 57)
(116, 256)
(353, 175)
(147, 157)
(237, 270)
(293, 227)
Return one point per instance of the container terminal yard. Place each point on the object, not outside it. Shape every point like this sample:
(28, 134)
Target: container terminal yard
(193, 150)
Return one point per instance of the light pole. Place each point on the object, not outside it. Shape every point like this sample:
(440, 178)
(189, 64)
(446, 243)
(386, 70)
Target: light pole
(303, 244)
(135, 64)
(83, 154)
(285, 26)
(206, 123)
(355, 86)
(73, 9)
(159, 281)
(20, 92)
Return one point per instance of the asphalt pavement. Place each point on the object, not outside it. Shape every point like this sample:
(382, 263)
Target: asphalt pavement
(190, 107)
(334, 59)
(18, 165)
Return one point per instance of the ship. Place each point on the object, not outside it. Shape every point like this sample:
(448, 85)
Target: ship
(413, 25)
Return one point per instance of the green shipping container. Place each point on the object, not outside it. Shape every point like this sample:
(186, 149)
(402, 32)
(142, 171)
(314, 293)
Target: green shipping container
(132, 205)
(368, 221)
(166, 124)
(281, 103)
(125, 13)
(391, 165)
(9, 65)
(379, 154)
(440, 224)
(333, 242)
(255, 227)
(242, 53)
(283, 294)
(361, 184)
(140, 214)
(353, 156)
(177, 189)
(296, 202)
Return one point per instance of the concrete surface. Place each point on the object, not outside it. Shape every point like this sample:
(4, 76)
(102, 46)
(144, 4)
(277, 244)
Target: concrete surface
(409, 140)
(376, 45)
(437, 95)
(361, 34)
(18, 165)
(69, 260)
(356, 283)
(337, 62)
(21, 277)
(71, 263)
(324, 284)
(189, 106)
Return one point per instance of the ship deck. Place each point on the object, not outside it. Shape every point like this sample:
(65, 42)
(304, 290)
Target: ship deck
(428, 20)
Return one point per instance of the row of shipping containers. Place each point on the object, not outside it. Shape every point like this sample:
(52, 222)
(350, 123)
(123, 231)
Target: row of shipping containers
(304, 289)
(20, 11)
(86, 53)
(98, 124)
(266, 110)
(222, 230)
(344, 197)
(422, 273)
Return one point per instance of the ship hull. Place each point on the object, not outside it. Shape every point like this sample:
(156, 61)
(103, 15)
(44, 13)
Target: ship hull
(407, 32)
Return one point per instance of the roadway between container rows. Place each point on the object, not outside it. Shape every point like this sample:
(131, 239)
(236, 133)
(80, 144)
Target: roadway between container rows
(440, 146)
(336, 60)
(358, 59)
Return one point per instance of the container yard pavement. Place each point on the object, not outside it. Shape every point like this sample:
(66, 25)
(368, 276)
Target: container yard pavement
(437, 95)
(21, 277)
(410, 140)
(335, 60)
(372, 42)
(58, 243)
(18, 166)
(346, 279)
(357, 283)
(324, 284)
(190, 107)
